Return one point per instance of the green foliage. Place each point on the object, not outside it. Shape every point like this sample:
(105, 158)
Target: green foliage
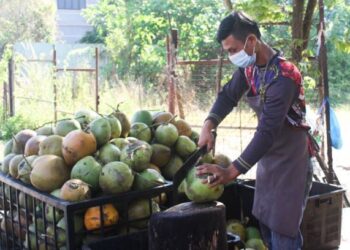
(135, 31)
(13, 125)
(32, 20)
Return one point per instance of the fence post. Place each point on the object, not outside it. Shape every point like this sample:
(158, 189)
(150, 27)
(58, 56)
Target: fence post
(54, 85)
(11, 86)
(324, 74)
(5, 111)
(171, 61)
(97, 96)
(218, 84)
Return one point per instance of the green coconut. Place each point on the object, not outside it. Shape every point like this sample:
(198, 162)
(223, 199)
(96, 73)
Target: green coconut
(222, 160)
(183, 127)
(49, 173)
(163, 117)
(140, 209)
(25, 168)
(52, 145)
(137, 155)
(78, 223)
(116, 177)
(21, 139)
(44, 130)
(63, 127)
(185, 146)
(256, 244)
(85, 116)
(116, 127)
(120, 142)
(170, 169)
(166, 134)
(253, 233)
(5, 166)
(197, 191)
(235, 227)
(207, 158)
(141, 131)
(124, 121)
(32, 145)
(108, 153)
(143, 116)
(8, 147)
(101, 129)
(148, 178)
(13, 166)
(161, 155)
(49, 210)
(194, 136)
(88, 170)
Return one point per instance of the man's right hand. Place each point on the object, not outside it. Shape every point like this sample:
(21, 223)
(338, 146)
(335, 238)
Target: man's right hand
(206, 137)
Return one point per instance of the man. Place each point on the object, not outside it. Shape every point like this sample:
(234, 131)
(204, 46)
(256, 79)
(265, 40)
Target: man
(273, 88)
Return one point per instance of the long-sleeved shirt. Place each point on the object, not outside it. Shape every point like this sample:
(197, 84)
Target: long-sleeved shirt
(283, 102)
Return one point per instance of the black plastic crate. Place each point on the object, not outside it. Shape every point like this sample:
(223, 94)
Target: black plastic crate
(39, 208)
(321, 224)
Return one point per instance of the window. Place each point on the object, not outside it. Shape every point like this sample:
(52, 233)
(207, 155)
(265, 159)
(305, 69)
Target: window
(71, 4)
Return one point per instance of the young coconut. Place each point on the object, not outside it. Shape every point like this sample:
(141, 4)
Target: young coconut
(75, 190)
(32, 145)
(137, 155)
(76, 145)
(124, 121)
(49, 173)
(88, 170)
(25, 168)
(13, 167)
(197, 191)
(5, 167)
(116, 177)
(20, 140)
(52, 145)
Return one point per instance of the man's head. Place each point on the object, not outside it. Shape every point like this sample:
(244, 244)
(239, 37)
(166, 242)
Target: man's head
(239, 25)
(238, 32)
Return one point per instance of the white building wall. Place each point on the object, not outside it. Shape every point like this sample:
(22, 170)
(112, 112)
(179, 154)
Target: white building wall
(71, 25)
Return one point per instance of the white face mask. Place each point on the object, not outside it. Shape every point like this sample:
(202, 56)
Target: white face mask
(242, 59)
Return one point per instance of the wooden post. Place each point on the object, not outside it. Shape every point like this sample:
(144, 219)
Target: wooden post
(54, 60)
(5, 111)
(97, 96)
(171, 61)
(218, 85)
(324, 74)
(11, 87)
(180, 102)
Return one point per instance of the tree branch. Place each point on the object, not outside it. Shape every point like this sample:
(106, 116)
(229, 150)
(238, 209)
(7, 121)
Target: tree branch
(228, 5)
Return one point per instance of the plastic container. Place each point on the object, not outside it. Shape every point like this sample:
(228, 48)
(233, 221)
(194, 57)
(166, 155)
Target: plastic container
(49, 211)
(321, 224)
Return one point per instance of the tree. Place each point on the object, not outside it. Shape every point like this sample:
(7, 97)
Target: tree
(32, 20)
(134, 32)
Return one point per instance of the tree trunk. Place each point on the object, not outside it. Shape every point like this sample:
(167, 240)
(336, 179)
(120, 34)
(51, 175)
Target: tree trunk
(311, 4)
(297, 31)
(189, 226)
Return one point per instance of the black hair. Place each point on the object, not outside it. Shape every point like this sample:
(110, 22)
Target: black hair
(239, 25)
